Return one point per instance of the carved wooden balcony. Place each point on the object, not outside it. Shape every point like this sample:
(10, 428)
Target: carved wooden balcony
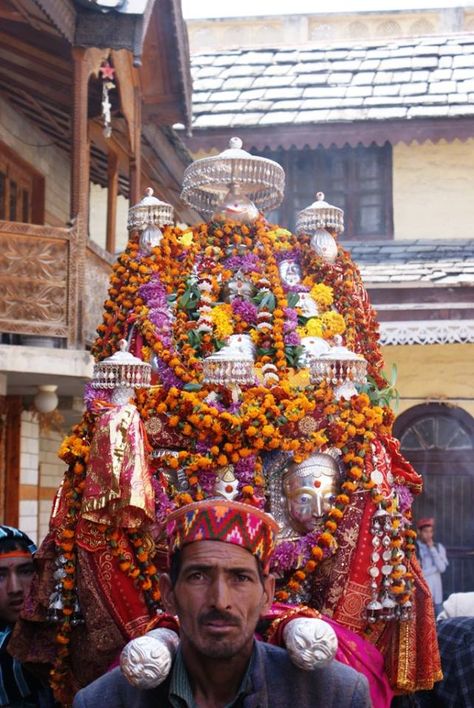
(50, 284)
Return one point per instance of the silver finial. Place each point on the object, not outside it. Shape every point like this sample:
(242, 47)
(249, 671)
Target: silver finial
(235, 143)
(149, 211)
(209, 180)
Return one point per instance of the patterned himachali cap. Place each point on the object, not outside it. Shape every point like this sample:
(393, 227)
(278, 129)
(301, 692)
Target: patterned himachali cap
(422, 523)
(230, 522)
(10, 532)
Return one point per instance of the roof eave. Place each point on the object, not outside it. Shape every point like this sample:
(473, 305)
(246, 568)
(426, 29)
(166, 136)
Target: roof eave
(62, 14)
(335, 134)
(114, 30)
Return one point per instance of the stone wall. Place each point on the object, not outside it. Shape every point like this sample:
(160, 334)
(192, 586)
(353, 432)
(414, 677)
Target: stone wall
(300, 30)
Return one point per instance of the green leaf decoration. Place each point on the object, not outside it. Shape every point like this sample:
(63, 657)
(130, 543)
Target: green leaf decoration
(292, 299)
(192, 387)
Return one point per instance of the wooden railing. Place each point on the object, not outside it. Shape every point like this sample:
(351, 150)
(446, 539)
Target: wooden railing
(50, 285)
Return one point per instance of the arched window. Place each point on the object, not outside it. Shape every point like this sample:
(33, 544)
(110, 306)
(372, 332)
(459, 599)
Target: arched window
(438, 428)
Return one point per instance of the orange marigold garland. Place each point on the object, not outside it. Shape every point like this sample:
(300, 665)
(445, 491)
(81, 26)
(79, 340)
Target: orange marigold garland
(170, 302)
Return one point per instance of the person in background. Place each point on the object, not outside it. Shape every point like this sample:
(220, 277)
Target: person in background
(433, 560)
(458, 604)
(18, 688)
(456, 646)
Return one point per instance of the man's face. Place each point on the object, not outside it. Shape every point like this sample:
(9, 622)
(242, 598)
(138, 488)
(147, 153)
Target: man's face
(218, 598)
(16, 574)
(426, 534)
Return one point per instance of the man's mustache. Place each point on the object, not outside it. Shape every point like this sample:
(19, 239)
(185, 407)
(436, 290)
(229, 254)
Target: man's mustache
(219, 616)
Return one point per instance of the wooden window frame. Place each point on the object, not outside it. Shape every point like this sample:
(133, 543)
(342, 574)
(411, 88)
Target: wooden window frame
(286, 214)
(28, 179)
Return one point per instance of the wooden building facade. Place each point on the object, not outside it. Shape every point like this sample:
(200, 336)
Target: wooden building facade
(88, 94)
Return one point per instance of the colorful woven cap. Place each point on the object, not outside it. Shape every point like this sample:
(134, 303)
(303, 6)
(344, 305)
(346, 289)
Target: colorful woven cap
(422, 523)
(230, 522)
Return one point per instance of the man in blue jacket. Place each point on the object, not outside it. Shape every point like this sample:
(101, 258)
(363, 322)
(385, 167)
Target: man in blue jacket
(219, 586)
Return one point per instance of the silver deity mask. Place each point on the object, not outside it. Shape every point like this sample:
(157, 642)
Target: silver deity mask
(309, 489)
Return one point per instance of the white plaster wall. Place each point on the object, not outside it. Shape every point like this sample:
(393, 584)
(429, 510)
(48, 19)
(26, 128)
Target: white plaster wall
(98, 217)
(29, 473)
(433, 190)
(51, 471)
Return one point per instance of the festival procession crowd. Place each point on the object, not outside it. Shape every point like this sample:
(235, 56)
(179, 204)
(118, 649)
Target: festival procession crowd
(234, 526)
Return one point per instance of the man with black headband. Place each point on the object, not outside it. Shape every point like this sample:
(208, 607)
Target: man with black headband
(18, 688)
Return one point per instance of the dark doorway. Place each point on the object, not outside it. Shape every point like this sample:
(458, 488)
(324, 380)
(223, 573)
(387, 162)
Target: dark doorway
(439, 442)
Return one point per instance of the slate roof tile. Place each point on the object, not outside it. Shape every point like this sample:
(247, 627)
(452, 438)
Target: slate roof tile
(340, 77)
(229, 107)
(207, 84)
(359, 91)
(461, 74)
(403, 78)
(426, 99)
(316, 116)
(257, 57)
(320, 91)
(278, 117)
(389, 90)
(441, 75)
(239, 82)
(259, 105)
(423, 112)
(393, 64)
(409, 89)
(213, 120)
(461, 109)
(369, 65)
(387, 101)
(420, 76)
(225, 96)
(467, 85)
(271, 81)
(385, 113)
(311, 67)
(250, 118)
(243, 70)
(445, 62)
(235, 57)
(287, 105)
(459, 62)
(351, 65)
(312, 79)
(277, 93)
(424, 62)
(277, 69)
(206, 71)
(252, 94)
(414, 261)
(442, 87)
